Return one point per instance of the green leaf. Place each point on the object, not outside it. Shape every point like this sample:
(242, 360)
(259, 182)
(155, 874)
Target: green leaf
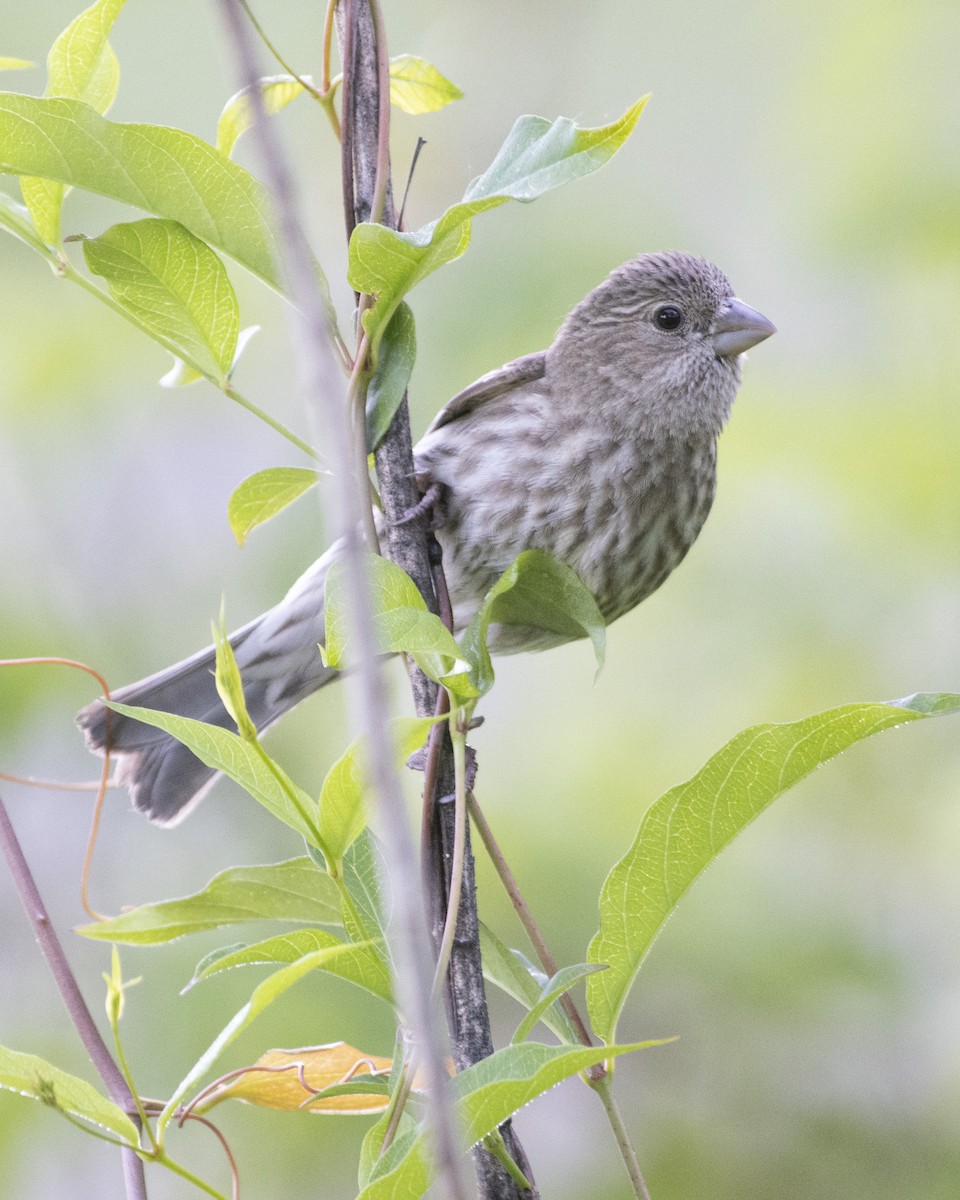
(173, 286)
(418, 87)
(294, 890)
(271, 989)
(243, 762)
(40, 1080)
(81, 65)
(264, 494)
(364, 965)
(536, 590)
(538, 155)
(485, 1095)
(276, 92)
(508, 970)
(228, 683)
(552, 990)
(167, 172)
(14, 64)
(402, 620)
(343, 815)
(365, 876)
(398, 351)
(685, 830)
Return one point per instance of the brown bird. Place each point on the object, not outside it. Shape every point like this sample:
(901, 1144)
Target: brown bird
(600, 449)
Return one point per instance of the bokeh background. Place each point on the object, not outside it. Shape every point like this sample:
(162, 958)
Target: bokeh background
(813, 976)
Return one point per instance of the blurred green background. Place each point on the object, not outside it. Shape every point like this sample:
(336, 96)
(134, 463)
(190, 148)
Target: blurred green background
(813, 977)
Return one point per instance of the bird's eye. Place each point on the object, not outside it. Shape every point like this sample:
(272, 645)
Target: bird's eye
(668, 317)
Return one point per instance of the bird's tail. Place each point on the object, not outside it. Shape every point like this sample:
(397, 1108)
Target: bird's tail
(280, 665)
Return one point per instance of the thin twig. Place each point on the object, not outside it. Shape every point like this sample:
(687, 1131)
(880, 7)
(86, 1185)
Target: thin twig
(317, 363)
(532, 929)
(109, 1072)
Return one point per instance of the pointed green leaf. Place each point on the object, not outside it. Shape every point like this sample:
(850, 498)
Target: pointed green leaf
(398, 351)
(508, 970)
(539, 591)
(343, 815)
(264, 494)
(363, 965)
(39, 1080)
(538, 155)
(166, 172)
(552, 990)
(226, 677)
(14, 64)
(485, 1095)
(272, 988)
(403, 622)
(175, 287)
(294, 890)
(81, 65)
(241, 761)
(685, 830)
(365, 877)
(418, 87)
(276, 92)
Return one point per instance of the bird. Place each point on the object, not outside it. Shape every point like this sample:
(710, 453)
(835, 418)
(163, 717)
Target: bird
(601, 450)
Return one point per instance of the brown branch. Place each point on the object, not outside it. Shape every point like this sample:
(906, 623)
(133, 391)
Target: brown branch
(366, 160)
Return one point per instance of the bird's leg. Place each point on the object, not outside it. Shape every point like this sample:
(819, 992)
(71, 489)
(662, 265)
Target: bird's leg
(429, 506)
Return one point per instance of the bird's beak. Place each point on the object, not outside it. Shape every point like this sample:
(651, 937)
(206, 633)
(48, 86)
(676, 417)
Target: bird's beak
(738, 327)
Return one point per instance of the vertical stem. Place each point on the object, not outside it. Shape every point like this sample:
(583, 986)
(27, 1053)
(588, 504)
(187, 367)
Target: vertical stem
(604, 1089)
(364, 118)
(109, 1072)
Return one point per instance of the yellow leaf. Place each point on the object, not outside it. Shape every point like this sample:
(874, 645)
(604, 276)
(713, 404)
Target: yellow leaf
(290, 1079)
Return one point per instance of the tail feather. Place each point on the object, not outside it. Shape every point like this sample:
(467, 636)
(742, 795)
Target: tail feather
(280, 665)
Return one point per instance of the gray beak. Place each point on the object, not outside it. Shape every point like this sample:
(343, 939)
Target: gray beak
(738, 327)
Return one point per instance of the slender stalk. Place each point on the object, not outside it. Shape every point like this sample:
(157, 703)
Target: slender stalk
(604, 1089)
(261, 33)
(532, 929)
(458, 737)
(231, 392)
(109, 1072)
(317, 361)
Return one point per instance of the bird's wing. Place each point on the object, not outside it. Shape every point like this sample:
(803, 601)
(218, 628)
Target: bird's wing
(491, 385)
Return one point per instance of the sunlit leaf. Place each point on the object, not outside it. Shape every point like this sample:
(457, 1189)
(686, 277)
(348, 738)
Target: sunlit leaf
(685, 830)
(264, 494)
(167, 172)
(294, 890)
(291, 1079)
(363, 965)
(240, 761)
(540, 591)
(39, 1080)
(272, 988)
(418, 87)
(403, 622)
(174, 286)
(343, 815)
(81, 65)
(538, 155)
(485, 1095)
(276, 92)
(14, 64)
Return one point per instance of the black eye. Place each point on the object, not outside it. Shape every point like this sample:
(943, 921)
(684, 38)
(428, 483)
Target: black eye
(668, 317)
